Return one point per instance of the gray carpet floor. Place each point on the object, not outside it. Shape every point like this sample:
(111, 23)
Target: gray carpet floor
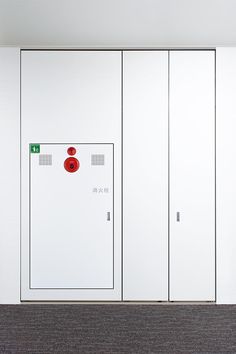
(117, 329)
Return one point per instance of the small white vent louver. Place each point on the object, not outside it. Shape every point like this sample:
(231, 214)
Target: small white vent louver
(97, 160)
(45, 160)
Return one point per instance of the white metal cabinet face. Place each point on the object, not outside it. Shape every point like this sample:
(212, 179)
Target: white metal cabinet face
(145, 175)
(192, 176)
(71, 218)
(71, 97)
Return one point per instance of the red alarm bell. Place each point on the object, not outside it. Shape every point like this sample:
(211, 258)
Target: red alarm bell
(71, 164)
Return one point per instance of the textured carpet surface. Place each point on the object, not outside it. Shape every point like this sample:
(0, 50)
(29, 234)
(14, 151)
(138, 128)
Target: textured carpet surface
(117, 329)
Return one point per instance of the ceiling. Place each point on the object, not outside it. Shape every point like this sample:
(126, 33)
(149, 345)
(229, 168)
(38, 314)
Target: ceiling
(118, 23)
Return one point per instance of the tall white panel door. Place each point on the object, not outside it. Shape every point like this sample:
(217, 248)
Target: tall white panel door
(71, 222)
(145, 243)
(192, 175)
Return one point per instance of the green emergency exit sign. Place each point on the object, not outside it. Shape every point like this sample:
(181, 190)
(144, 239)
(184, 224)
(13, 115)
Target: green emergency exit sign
(35, 148)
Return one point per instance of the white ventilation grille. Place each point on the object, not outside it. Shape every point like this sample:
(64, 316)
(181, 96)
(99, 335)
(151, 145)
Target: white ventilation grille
(97, 160)
(45, 160)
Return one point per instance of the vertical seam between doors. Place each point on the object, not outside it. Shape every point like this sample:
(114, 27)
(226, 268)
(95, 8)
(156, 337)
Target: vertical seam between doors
(20, 187)
(215, 184)
(168, 152)
(122, 197)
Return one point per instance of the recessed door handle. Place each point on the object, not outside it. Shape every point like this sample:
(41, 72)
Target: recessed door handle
(108, 216)
(178, 216)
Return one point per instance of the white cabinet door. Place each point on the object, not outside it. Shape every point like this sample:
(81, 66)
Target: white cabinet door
(145, 243)
(192, 175)
(71, 217)
(71, 222)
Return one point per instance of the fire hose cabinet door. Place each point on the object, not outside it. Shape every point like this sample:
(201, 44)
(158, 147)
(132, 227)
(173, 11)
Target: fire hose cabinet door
(71, 175)
(71, 216)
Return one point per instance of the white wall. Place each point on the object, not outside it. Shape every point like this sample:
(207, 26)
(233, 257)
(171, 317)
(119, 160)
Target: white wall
(226, 174)
(137, 23)
(9, 175)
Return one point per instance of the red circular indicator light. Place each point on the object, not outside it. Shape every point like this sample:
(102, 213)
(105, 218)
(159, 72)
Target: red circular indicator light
(71, 151)
(71, 164)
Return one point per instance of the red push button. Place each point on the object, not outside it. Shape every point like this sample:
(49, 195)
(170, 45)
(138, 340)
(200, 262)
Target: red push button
(71, 164)
(71, 151)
